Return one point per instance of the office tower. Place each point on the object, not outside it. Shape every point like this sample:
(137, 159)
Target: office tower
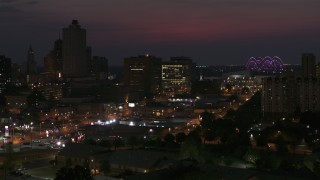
(18, 75)
(142, 75)
(177, 75)
(53, 60)
(290, 93)
(89, 60)
(318, 70)
(100, 67)
(31, 63)
(5, 72)
(308, 65)
(74, 51)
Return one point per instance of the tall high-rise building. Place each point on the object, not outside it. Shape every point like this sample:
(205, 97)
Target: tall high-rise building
(74, 54)
(31, 63)
(100, 67)
(142, 75)
(318, 70)
(89, 60)
(18, 75)
(290, 93)
(177, 75)
(5, 72)
(53, 60)
(308, 65)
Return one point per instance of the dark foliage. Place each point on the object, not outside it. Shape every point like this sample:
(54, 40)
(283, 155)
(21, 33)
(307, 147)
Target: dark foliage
(76, 173)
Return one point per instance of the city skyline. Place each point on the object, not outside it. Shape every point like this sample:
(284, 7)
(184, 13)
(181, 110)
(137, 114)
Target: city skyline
(209, 32)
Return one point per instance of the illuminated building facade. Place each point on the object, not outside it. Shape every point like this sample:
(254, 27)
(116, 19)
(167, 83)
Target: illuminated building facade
(177, 75)
(240, 82)
(5, 72)
(52, 91)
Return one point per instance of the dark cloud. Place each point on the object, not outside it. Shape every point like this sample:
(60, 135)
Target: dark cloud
(8, 9)
(8, 1)
(12, 7)
(30, 3)
(18, 2)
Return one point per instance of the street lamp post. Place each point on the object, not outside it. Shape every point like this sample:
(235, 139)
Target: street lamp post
(12, 136)
(31, 133)
(94, 167)
(40, 129)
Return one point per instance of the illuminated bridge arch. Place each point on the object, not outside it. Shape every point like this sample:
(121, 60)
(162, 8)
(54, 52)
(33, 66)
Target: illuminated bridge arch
(266, 64)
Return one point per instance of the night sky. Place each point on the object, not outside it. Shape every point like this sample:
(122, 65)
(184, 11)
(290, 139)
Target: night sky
(211, 32)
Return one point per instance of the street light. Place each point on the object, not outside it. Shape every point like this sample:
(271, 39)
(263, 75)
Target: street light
(94, 167)
(31, 133)
(14, 124)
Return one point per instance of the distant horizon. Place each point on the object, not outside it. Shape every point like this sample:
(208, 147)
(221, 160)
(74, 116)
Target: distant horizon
(197, 66)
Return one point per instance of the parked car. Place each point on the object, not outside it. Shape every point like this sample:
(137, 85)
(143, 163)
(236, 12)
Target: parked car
(36, 141)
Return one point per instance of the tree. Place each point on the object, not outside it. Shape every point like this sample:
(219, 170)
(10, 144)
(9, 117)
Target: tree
(76, 173)
(245, 90)
(117, 143)
(53, 162)
(169, 138)
(237, 141)
(133, 141)
(35, 98)
(209, 135)
(228, 87)
(291, 164)
(9, 164)
(68, 162)
(252, 156)
(191, 148)
(195, 134)
(150, 143)
(64, 173)
(223, 128)
(105, 143)
(105, 166)
(3, 101)
(310, 118)
(9, 147)
(207, 120)
(233, 98)
(262, 141)
(82, 173)
(249, 113)
(169, 141)
(180, 137)
(90, 142)
(281, 145)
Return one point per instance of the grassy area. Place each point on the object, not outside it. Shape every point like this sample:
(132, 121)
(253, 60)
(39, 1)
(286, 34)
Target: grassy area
(44, 172)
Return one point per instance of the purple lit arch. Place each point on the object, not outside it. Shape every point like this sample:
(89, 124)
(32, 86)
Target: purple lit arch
(266, 64)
